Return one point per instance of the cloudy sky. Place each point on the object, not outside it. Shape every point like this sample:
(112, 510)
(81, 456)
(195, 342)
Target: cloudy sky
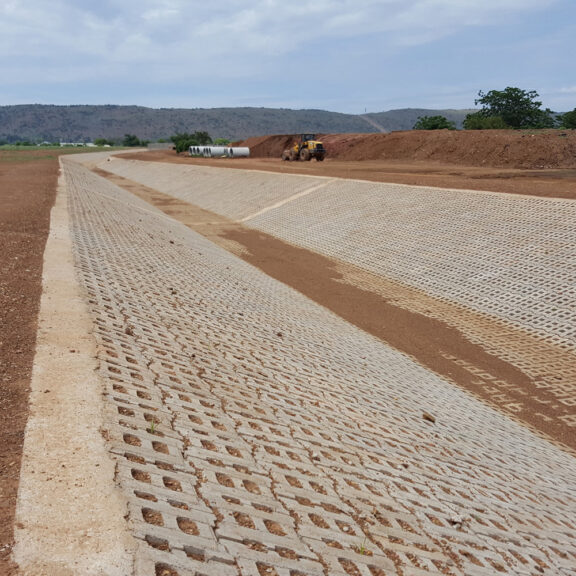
(342, 55)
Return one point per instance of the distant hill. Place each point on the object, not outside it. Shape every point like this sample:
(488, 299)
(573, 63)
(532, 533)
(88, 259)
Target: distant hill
(79, 123)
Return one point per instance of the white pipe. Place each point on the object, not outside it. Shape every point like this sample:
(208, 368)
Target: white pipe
(238, 152)
(216, 151)
(219, 151)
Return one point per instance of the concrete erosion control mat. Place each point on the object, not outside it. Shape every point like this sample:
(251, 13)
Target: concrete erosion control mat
(501, 269)
(255, 432)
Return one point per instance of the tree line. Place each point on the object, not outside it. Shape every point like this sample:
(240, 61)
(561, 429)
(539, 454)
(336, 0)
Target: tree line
(181, 140)
(511, 108)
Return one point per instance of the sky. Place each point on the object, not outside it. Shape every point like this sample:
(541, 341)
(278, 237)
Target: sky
(350, 56)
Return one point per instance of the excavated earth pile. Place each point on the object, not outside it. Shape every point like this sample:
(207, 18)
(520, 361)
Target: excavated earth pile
(497, 148)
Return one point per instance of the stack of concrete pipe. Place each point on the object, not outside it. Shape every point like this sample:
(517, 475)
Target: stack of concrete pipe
(220, 151)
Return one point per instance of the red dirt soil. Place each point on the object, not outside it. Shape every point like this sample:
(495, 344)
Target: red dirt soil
(27, 192)
(496, 149)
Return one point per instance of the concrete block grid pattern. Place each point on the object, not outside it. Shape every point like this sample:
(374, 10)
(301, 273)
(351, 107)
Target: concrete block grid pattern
(257, 433)
(510, 259)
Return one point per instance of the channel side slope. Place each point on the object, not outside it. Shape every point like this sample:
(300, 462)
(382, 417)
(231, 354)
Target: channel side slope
(255, 432)
(236, 194)
(499, 268)
(509, 256)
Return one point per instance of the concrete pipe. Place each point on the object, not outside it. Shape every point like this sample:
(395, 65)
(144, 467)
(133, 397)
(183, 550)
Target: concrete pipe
(216, 151)
(238, 152)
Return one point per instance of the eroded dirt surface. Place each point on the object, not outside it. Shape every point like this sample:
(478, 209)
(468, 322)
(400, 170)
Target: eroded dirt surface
(27, 192)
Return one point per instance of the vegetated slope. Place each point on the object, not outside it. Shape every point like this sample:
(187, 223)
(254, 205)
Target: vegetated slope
(496, 148)
(36, 122)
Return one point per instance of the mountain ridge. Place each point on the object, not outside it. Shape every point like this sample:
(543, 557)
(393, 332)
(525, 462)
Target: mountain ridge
(85, 122)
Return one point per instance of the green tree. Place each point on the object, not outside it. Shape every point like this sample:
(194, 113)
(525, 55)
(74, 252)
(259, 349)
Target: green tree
(182, 140)
(131, 140)
(568, 120)
(477, 121)
(103, 142)
(203, 138)
(517, 108)
(434, 123)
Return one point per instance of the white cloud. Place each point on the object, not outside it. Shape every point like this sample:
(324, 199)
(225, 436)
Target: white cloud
(192, 43)
(275, 25)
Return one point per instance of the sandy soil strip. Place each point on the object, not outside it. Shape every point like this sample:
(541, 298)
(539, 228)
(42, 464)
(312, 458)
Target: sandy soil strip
(70, 515)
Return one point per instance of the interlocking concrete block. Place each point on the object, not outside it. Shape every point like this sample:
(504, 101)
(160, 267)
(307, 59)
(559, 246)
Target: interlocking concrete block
(241, 452)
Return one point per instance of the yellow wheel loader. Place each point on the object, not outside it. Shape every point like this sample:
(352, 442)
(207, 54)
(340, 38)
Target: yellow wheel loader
(306, 149)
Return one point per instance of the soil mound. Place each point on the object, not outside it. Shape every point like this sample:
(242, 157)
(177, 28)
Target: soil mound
(484, 148)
